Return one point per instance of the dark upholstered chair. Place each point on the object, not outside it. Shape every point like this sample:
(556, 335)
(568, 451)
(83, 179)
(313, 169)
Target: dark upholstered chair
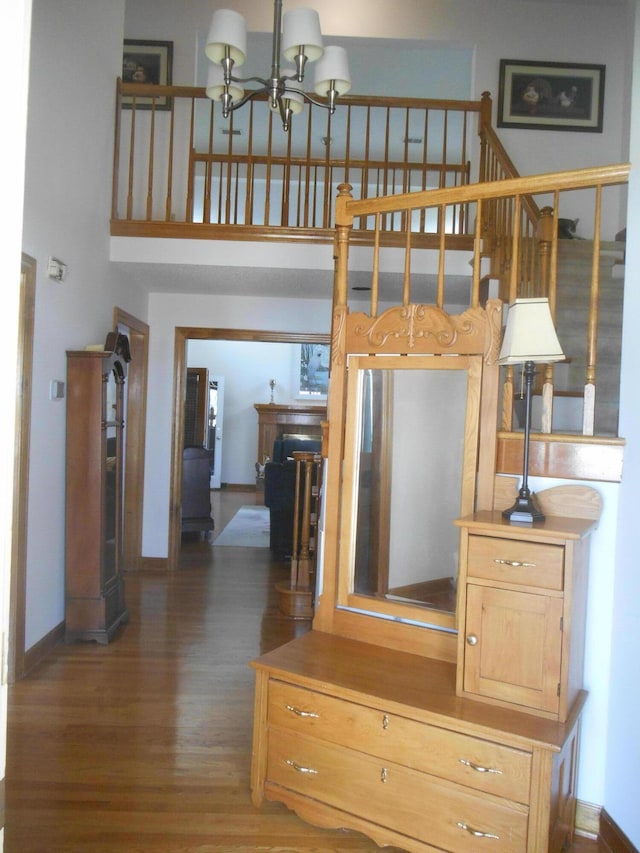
(280, 490)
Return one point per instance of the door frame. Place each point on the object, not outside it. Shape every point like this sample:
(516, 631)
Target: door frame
(216, 479)
(22, 440)
(182, 335)
(135, 436)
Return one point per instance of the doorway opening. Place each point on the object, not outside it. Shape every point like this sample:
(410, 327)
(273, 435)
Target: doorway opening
(184, 334)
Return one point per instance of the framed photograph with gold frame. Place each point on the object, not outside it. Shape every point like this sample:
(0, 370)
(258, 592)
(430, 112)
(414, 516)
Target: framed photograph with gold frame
(551, 95)
(149, 62)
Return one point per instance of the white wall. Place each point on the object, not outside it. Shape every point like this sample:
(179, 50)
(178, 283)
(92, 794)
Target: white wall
(75, 57)
(623, 731)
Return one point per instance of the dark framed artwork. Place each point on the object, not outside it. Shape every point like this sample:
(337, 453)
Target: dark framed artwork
(149, 62)
(551, 95)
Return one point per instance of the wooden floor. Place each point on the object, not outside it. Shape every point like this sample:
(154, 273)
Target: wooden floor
(145, 744)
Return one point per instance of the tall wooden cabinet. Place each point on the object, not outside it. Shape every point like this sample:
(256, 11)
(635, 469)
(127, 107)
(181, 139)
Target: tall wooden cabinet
(94, 587)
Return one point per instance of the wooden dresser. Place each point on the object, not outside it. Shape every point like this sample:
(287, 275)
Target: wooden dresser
(349, 734)
(435, 706)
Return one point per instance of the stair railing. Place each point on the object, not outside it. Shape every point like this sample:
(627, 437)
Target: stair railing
(527, 251)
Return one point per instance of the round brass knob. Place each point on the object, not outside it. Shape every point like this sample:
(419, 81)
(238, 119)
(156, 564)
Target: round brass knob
(472, 639)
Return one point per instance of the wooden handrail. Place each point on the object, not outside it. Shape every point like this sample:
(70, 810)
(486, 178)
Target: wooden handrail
(544, 183)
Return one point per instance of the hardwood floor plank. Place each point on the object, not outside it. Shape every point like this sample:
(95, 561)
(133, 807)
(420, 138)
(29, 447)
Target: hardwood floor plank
(145, 744)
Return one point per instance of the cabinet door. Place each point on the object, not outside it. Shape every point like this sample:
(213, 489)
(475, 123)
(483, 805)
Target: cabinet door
(513, 646)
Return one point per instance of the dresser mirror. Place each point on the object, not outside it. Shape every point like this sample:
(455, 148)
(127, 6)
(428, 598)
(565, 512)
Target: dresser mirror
(411, 445)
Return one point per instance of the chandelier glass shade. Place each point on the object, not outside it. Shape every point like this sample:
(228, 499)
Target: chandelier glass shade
(297, 38)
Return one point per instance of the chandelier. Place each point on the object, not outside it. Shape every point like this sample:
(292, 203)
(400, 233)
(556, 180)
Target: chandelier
(297, 36)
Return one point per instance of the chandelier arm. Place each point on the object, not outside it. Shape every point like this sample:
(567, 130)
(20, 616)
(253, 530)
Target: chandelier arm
(315, 101)
(234, 105)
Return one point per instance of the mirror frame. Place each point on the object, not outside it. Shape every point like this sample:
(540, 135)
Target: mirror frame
(347, 597)
(405, 332)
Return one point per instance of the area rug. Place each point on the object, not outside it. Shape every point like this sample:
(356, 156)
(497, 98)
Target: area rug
(249, 528)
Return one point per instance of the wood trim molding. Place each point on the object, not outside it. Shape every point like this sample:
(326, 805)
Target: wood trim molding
(135, 434)
(587, 820)
(614, 838)
(573, 457)
(43, 648)
(18, 589)
(153, 564)
(182, 335)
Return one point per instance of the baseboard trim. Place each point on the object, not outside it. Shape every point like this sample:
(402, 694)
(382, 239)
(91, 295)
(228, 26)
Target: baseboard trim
(587, 819)
(153, 564)
(613, 836)
(238, 487)
(594, 822)
(38, 652)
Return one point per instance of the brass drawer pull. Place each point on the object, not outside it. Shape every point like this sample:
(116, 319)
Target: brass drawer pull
(300, 769)
(515, 564)
(477, 833)
(478, 767)
(300, 713)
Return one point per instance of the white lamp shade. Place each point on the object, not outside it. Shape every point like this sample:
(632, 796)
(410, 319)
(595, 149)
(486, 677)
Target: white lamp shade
(215, 85)
(301, 28)
(228, 29)
(530, 334)
(296, 101)
(332, 66)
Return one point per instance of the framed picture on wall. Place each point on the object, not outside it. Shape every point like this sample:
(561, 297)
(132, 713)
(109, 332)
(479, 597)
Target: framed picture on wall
(551, 95)
(311, 368)
(148, 62)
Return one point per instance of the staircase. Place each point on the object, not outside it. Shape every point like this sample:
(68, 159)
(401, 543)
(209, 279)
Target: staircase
(572, 314)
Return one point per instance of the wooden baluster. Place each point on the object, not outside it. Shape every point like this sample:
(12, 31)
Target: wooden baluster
(267, 189)
(296, 525)
(152, 133)
(168, 202)
(442, 210)
(589, 411)
(477, 256)
(327, 181)
(228, 194)
(116, 151)
(483, 123)
(546, 274)
(307, 181)
(406, 280)
(249, 193)
(132, 144)
(302, 520)
(375, 276)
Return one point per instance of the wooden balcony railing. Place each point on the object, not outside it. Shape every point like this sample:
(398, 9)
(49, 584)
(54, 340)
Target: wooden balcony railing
(426, 175)
(181, 169)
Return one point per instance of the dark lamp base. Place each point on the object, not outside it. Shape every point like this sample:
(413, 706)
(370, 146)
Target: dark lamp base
(525, 510)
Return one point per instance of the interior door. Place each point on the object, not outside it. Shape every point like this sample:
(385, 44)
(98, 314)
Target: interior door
(218, 424)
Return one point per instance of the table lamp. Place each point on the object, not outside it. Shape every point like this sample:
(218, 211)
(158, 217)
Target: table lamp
(529, 338)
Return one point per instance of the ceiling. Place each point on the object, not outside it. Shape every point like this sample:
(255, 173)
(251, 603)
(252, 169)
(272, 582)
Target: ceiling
(278, 283)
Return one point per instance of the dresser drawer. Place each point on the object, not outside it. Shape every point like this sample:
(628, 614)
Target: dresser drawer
(416, 804)
(513, 561)
(473, 762)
